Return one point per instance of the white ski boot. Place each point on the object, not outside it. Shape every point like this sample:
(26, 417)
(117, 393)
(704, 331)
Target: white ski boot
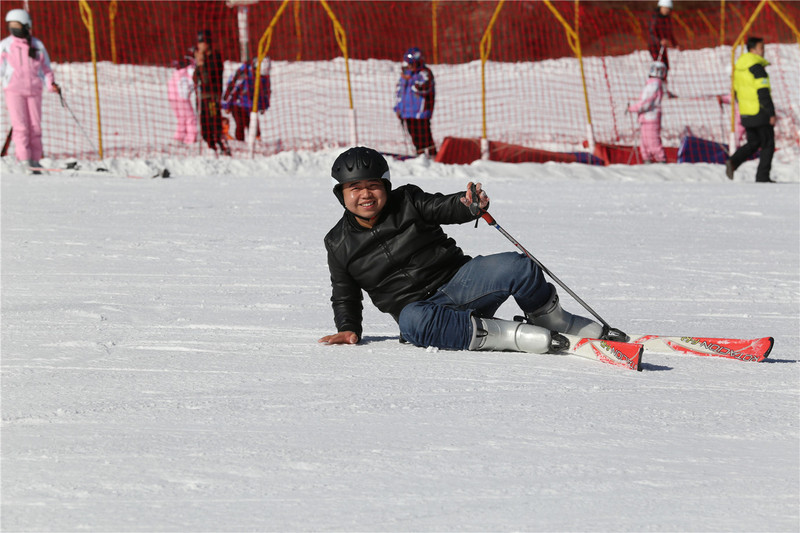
(492, 334)
(552, 317)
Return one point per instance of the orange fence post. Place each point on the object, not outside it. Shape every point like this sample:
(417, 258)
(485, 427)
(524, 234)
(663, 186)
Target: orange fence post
(263, 47)
(776, 7)
(298, 30)
(88, 21)
(574, 42)
(634, 23)
(341, 40)
(435, 35)
(112, 17)
(485, 49)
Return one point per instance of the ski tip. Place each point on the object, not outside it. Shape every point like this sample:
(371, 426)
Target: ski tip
(771, 342)
(636, 362)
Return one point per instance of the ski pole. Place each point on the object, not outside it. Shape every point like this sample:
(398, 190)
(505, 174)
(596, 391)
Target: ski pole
(475, 209)
(406, 135)
(636, 135)
(8, 141)
(199, 116)
(65, 106)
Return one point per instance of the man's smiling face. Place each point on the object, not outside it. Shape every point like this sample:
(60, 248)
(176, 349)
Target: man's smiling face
(365, 198)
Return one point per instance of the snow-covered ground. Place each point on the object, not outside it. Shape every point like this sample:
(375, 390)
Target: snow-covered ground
(161, 371)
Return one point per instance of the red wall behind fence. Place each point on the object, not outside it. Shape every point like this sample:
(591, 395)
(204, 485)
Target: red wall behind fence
(155, 32)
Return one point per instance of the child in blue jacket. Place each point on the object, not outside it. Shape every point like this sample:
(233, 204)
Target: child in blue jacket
(416, 94)
(238, 97)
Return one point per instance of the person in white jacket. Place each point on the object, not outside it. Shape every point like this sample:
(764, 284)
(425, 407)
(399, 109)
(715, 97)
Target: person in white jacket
(648, 109)
(24, 71)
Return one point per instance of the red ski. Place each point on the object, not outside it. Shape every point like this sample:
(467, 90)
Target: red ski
(624, 354)
(741, 349)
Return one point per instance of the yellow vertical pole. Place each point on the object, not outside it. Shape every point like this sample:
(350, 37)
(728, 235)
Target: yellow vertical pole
(88, 21)
(579, 53)
(776, 7)
(707, 22)
(298, 30)
(112, 16)
(679, 20)
(634, 24)
(263, 47)
(435, 33)
(485, 49)
(737, 13)
(341, 39)
(574, 42)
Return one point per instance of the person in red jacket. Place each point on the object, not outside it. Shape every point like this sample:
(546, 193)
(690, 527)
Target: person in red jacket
(661, 34)
(207, 79)
(25, 70)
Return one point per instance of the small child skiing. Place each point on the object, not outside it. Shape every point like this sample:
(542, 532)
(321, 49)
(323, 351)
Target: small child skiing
(414, 103)
(648, 109)
(238, 97)
(25, 71)
(179, 89)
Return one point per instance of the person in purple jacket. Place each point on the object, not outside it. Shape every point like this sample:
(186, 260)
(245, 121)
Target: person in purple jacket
(238, 97)
(25, 70)
(416, 95)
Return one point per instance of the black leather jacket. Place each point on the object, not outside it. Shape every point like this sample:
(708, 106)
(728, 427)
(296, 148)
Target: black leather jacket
(402, 259)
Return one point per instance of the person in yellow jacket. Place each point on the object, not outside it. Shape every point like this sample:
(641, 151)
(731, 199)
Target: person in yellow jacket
(752, 89)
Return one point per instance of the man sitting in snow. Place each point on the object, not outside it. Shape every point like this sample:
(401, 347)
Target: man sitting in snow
(390, 243)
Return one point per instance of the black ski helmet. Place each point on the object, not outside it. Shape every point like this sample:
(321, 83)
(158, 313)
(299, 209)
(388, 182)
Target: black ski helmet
(356, 164)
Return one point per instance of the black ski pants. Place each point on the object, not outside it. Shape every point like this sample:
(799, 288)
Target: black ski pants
(762, 137)
(420, 131)
(241, 115)
(211, 124)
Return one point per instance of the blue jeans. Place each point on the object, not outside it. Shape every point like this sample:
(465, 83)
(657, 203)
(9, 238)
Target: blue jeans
(479, 288)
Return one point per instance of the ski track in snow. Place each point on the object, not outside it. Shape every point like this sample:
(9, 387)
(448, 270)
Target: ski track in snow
(160, 370)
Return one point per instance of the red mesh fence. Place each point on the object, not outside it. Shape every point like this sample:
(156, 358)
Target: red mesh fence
(534, 94)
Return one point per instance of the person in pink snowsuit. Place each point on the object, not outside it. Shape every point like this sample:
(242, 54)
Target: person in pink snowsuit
(24, 71)
(648, 109)
(179, 89)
